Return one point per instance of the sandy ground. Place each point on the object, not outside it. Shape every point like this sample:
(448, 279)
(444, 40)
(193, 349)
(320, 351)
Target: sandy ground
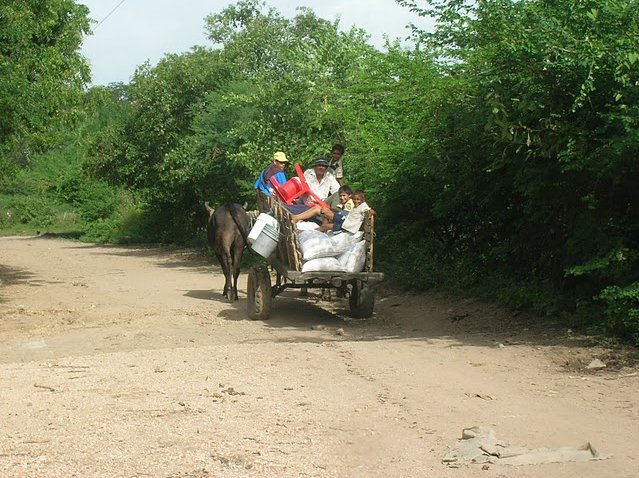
(127, 362)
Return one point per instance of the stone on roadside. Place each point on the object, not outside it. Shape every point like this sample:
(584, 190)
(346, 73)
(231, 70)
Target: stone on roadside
(596, 364)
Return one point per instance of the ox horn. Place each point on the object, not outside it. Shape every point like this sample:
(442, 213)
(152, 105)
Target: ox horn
(209, 208)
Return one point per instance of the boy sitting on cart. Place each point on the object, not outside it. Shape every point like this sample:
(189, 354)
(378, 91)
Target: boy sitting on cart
(349, 221)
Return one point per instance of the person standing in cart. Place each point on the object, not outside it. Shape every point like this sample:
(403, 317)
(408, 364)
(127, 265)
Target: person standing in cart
(276, 170)
(336, 167)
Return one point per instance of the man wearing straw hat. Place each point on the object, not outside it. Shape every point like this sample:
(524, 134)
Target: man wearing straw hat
(276, 170)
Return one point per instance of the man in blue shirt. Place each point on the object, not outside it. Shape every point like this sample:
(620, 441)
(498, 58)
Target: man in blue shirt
(276, 170)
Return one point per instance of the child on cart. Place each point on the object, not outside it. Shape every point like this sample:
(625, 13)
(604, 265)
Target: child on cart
(349, 221)
(332, 219)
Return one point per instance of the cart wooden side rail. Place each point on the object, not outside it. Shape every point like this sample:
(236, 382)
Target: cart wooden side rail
(286, 261)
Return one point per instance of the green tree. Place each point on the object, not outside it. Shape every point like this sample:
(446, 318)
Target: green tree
(551, 91)
(292, 82)
(42, 73)
(203, 124)
(131, 152)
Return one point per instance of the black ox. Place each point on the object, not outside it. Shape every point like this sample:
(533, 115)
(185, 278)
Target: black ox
(227, 230)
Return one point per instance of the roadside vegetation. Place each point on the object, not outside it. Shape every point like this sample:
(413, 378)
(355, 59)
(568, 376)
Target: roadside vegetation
(500, 150)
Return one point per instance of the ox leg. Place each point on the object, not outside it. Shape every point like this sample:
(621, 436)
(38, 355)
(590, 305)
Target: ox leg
(235, 271)
(228, 276)
(236, 274)
(223, 260)
(236, 261)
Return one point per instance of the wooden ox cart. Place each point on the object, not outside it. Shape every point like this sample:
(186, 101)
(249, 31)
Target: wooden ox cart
(285, 266)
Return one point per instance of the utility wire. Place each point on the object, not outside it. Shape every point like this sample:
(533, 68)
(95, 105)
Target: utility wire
(108, 14)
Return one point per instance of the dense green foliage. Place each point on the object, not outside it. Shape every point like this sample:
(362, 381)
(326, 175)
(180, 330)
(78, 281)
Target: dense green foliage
(500, 151)
(42, 74)
(204, 123)
(543, 146)
(53, 194)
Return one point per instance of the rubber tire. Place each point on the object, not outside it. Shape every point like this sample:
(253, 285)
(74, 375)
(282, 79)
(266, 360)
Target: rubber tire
(362, 300)
(259, 294)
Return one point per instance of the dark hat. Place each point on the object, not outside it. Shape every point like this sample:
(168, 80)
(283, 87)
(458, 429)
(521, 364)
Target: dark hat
(321, 161)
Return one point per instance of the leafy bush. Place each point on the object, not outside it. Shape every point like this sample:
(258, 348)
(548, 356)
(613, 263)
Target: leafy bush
(622, 310)
(36, 211)
(101, 230)
(93, 199)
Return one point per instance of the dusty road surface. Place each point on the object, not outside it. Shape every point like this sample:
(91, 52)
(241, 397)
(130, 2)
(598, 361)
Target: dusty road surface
(127, 362)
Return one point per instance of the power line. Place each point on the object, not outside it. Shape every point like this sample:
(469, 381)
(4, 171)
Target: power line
(108, 14)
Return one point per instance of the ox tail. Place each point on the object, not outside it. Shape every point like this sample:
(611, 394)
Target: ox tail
(233, 210)
(210, 230)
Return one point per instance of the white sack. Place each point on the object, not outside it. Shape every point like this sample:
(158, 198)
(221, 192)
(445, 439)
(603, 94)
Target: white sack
(303, 236)
(343, 240)
(354, 259)
(306, 225)
(322, 264)
(316, 244)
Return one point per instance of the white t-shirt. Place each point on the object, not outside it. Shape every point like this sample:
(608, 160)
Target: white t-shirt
(336, 168)
(355, 218)
(324, 188)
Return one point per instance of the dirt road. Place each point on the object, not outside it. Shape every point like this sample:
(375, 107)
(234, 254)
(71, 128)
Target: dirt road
(127, 362)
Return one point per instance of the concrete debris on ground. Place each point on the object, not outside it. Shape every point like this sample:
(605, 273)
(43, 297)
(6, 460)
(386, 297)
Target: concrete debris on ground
(480, 445)
(596, 364)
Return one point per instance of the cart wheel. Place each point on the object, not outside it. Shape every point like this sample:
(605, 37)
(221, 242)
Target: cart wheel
(362, 300)
(258, 290)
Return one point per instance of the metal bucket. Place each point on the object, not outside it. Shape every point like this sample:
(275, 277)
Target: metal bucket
(266, 242)
(261, 220)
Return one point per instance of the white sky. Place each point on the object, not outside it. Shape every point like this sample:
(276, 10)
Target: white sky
(140, 30)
